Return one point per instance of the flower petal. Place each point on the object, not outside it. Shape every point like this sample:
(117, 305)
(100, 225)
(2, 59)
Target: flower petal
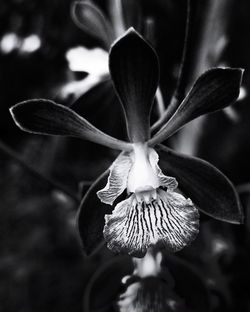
(134, 70)
(91, 20)
(48, 118)
(214, 90)
(209, 189)
(165, 181)
(90, 217)
(117, 180)
(171, 222)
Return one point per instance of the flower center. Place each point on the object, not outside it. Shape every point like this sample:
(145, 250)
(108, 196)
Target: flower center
(143, 177)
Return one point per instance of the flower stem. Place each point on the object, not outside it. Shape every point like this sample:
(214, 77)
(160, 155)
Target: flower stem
(116, 12)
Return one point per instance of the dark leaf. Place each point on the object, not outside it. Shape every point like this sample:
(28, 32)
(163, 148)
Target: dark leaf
(207, 187)
(97, 102)
(212, 91)
(134, 70)
(99, 298)
(48, 118)
(91, 20)
(91, 216)
(184, 274)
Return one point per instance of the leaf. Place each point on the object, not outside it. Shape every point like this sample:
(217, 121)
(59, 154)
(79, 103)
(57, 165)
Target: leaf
(207, 187)
(212, 91)
(134, 70)
(197, 297)
(99, 298)
(91, 216)
(48, 118)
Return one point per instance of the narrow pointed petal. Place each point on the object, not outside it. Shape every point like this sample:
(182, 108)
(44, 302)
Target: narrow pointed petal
(209, 189)
(117, 180)
(170, 222)
(48, 118)
(212, 91)
(90, 219)
(134, 70)
(91, 20)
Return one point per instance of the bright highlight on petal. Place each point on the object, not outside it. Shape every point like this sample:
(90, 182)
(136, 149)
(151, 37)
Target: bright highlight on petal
(117, 180)
(170, 221)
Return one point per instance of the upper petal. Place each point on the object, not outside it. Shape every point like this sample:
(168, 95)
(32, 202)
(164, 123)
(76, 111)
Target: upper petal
(134, 70)
(91, 20)
(117, 180)
(170, 222)
(214, 90)
(210, 189)
(48, 118)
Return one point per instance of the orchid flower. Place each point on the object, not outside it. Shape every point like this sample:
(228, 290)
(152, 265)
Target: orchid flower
(154, 179)
(158, 282)
(149, 289)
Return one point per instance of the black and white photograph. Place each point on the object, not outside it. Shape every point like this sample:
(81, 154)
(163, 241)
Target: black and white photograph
(124, 156)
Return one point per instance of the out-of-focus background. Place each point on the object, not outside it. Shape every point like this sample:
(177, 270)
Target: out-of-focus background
(42, 267)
